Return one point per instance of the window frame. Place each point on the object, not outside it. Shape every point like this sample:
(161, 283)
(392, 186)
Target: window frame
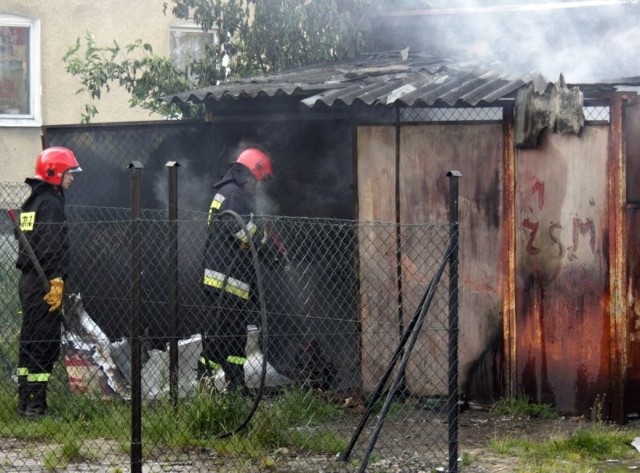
(188, 27)
(34, 117)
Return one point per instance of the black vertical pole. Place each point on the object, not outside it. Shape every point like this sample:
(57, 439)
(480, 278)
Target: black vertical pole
(452, 405)
(173, 281)
(136, 291)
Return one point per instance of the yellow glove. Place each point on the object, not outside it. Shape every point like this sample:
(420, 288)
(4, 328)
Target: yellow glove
(54, 296)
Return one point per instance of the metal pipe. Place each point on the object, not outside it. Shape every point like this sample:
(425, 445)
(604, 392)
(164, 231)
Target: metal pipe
(173, 282)
(383, 381)
(136, 291)
(452, 399)
(405, 358)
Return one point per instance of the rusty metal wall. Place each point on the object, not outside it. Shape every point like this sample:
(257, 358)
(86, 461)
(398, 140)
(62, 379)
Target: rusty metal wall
(632, 216)
(419, 157)
(561, 338)
(562, 270)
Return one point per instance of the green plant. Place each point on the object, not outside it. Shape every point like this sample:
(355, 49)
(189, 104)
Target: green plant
(597, 410)
(290, 420)
(467, 459)
(522, 407)
(252, 37)
(580, 452)
(146, 76)
(67, 452)
(211, 413)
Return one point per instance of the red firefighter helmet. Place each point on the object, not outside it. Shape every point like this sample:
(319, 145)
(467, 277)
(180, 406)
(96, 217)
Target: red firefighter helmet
(258, 162)
(52, 163)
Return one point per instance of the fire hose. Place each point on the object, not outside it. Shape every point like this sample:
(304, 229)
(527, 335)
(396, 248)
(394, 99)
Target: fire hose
(263, 312)
(45, 282)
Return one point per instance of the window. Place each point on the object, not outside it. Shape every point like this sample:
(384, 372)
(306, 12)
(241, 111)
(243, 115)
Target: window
(188, 42)
(19, 71)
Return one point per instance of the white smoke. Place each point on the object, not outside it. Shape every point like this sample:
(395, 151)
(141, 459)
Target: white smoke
(265, 204)
(586, 40)
(194, 188)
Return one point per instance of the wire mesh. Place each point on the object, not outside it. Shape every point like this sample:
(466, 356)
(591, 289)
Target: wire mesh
(596, 114)
(338, 296)
(432, 114)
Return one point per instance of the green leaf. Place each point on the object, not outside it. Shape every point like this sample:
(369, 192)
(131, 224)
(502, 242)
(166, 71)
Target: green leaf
(252, 37)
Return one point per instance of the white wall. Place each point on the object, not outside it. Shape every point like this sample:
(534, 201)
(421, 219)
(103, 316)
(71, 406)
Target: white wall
(62, 21)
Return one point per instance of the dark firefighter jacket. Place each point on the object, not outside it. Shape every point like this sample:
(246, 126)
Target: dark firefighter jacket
(42, 221)
(228, 263)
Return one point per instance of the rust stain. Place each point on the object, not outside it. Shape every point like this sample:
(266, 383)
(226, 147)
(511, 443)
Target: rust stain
(508, 256)
(562, 341)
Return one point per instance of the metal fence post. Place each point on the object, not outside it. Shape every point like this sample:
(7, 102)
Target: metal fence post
(136, 291)
(173, 281)
(452, 407)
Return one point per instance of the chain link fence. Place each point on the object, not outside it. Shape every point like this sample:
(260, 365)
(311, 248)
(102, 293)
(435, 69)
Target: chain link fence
(358, 318)
(336, 310)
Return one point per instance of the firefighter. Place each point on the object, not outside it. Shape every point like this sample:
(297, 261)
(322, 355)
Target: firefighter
(42, 220)
(229, 273)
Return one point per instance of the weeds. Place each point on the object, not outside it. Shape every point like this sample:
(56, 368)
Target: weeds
(583, 451)
(66, 453)
(522, 407)
(287, 420)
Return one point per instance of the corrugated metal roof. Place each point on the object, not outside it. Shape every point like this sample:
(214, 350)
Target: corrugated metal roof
(400, 77)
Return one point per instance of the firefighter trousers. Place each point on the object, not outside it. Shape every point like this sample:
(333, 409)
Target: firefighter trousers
(224, 332)
(40, 333)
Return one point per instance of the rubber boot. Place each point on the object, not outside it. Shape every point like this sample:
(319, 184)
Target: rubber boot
(235, 374)
(202, 370)
(36, 400)
(22, 395)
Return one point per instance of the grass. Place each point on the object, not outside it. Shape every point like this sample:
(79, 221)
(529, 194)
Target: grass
(521, 407)
(294, 421)
(291, 420)
(585, 450)
(63, 455)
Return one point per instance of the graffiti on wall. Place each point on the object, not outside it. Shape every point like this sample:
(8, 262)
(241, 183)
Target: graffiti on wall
(556, 233)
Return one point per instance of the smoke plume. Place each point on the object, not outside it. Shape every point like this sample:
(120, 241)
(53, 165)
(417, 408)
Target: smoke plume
(586, 40)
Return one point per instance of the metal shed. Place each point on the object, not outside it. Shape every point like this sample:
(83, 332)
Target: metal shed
(548, 200)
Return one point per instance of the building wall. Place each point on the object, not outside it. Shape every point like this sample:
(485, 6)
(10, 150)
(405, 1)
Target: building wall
(564, 333)
(62, 22)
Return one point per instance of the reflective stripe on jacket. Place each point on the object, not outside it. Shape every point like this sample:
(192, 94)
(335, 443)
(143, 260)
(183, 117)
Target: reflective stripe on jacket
(228, 263)
(43, 222)
(231, 285)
